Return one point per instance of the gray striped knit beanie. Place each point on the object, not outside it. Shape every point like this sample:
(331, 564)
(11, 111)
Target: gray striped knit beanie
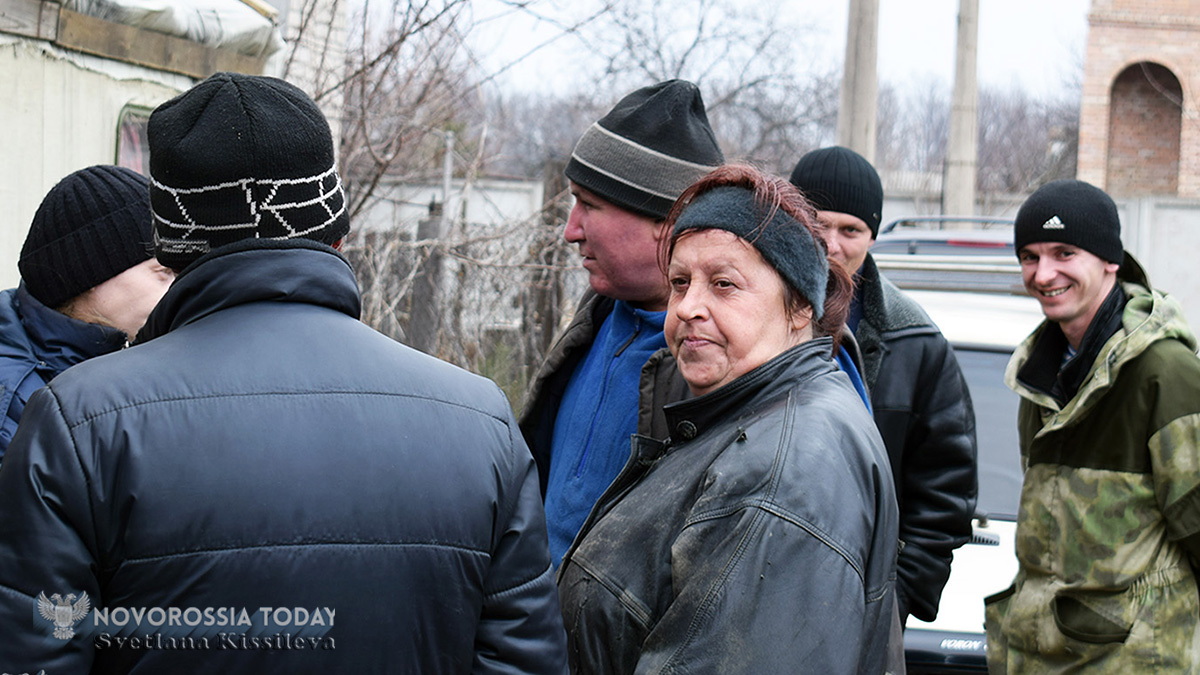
(648, 149)
(241, 157)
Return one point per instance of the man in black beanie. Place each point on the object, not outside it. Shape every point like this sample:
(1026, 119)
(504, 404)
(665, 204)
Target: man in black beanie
(582, 406)
(1108, 531)
(918, 394)
(263, 483)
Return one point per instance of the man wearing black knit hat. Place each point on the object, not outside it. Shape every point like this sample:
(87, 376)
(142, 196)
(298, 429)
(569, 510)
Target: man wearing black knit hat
(918, 394)
(625, 173)
(1108, 531)
(263, 483)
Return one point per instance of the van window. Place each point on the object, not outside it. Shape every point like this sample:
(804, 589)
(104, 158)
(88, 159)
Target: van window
(999, 462)
(132, 151)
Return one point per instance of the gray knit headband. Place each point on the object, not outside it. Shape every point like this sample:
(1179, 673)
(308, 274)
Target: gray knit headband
(783, 241)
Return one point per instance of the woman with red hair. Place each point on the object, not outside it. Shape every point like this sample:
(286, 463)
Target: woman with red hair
(761, 536)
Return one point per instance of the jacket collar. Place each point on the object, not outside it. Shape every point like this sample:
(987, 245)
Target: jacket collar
(880, 305)
(59, 340)
(688, 419)
(1045, 370)
(1148, 317)
(885, 312)
(256, 270)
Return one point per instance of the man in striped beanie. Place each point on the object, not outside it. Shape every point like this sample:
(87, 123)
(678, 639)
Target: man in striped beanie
(625, 173)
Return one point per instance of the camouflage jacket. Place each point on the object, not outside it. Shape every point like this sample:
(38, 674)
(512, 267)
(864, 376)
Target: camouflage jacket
(1108, 532)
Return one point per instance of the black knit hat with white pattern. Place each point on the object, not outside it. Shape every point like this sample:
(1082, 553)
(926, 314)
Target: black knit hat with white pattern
(648, 149)
(90, 227)
(241, 156)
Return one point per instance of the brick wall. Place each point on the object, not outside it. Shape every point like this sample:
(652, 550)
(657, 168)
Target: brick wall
(1144, 126)
(1128, 125)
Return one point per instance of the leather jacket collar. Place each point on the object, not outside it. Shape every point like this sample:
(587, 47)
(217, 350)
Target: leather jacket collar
(688, 419)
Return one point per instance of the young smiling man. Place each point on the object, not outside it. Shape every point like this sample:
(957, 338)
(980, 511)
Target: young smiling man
(1108, 534)
(582, 406)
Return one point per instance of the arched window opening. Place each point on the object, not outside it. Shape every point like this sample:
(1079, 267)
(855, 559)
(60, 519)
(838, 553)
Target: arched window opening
(1145, 118)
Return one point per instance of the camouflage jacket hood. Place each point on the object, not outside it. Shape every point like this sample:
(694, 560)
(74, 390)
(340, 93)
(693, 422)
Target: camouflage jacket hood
(1149, 316)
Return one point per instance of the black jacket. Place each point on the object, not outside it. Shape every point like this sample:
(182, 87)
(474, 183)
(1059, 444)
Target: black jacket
(923, 410)
(760, 539)
(261, 447)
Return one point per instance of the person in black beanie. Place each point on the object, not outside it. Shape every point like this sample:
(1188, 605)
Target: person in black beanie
(582, 405)
(918, 394)
(262, 451)
(88, 282)
(1107, 541)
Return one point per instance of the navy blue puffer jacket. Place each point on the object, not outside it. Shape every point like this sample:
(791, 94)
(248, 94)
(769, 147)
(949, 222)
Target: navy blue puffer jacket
(262, 448)
(36, 344)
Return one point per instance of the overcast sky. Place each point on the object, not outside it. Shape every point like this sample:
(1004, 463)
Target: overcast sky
(1030, 44)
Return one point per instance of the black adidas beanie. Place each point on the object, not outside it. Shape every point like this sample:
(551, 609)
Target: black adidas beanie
(90, 227)
(1071, 212)
(839, 179)
(238, 157)
(648, 149)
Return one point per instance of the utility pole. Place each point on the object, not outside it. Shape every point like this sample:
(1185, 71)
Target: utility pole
(858, 101)
(958, 182)
(425, 317)
(447, 176)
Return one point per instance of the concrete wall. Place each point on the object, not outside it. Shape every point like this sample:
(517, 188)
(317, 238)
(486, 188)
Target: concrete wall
(60, 112)
(496, 223)
(904, 204)
(490, 203)
(1164, 234)
(314, 58)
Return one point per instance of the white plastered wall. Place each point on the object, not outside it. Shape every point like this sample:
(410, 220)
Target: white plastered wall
(59, 113)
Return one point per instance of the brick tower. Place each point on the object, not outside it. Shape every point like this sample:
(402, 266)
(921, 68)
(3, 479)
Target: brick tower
(1139, 128)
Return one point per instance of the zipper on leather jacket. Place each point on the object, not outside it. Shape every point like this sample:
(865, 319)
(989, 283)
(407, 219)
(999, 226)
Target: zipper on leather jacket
(641, 460)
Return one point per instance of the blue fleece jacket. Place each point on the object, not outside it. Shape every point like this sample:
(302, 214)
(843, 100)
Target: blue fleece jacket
(597, 416)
